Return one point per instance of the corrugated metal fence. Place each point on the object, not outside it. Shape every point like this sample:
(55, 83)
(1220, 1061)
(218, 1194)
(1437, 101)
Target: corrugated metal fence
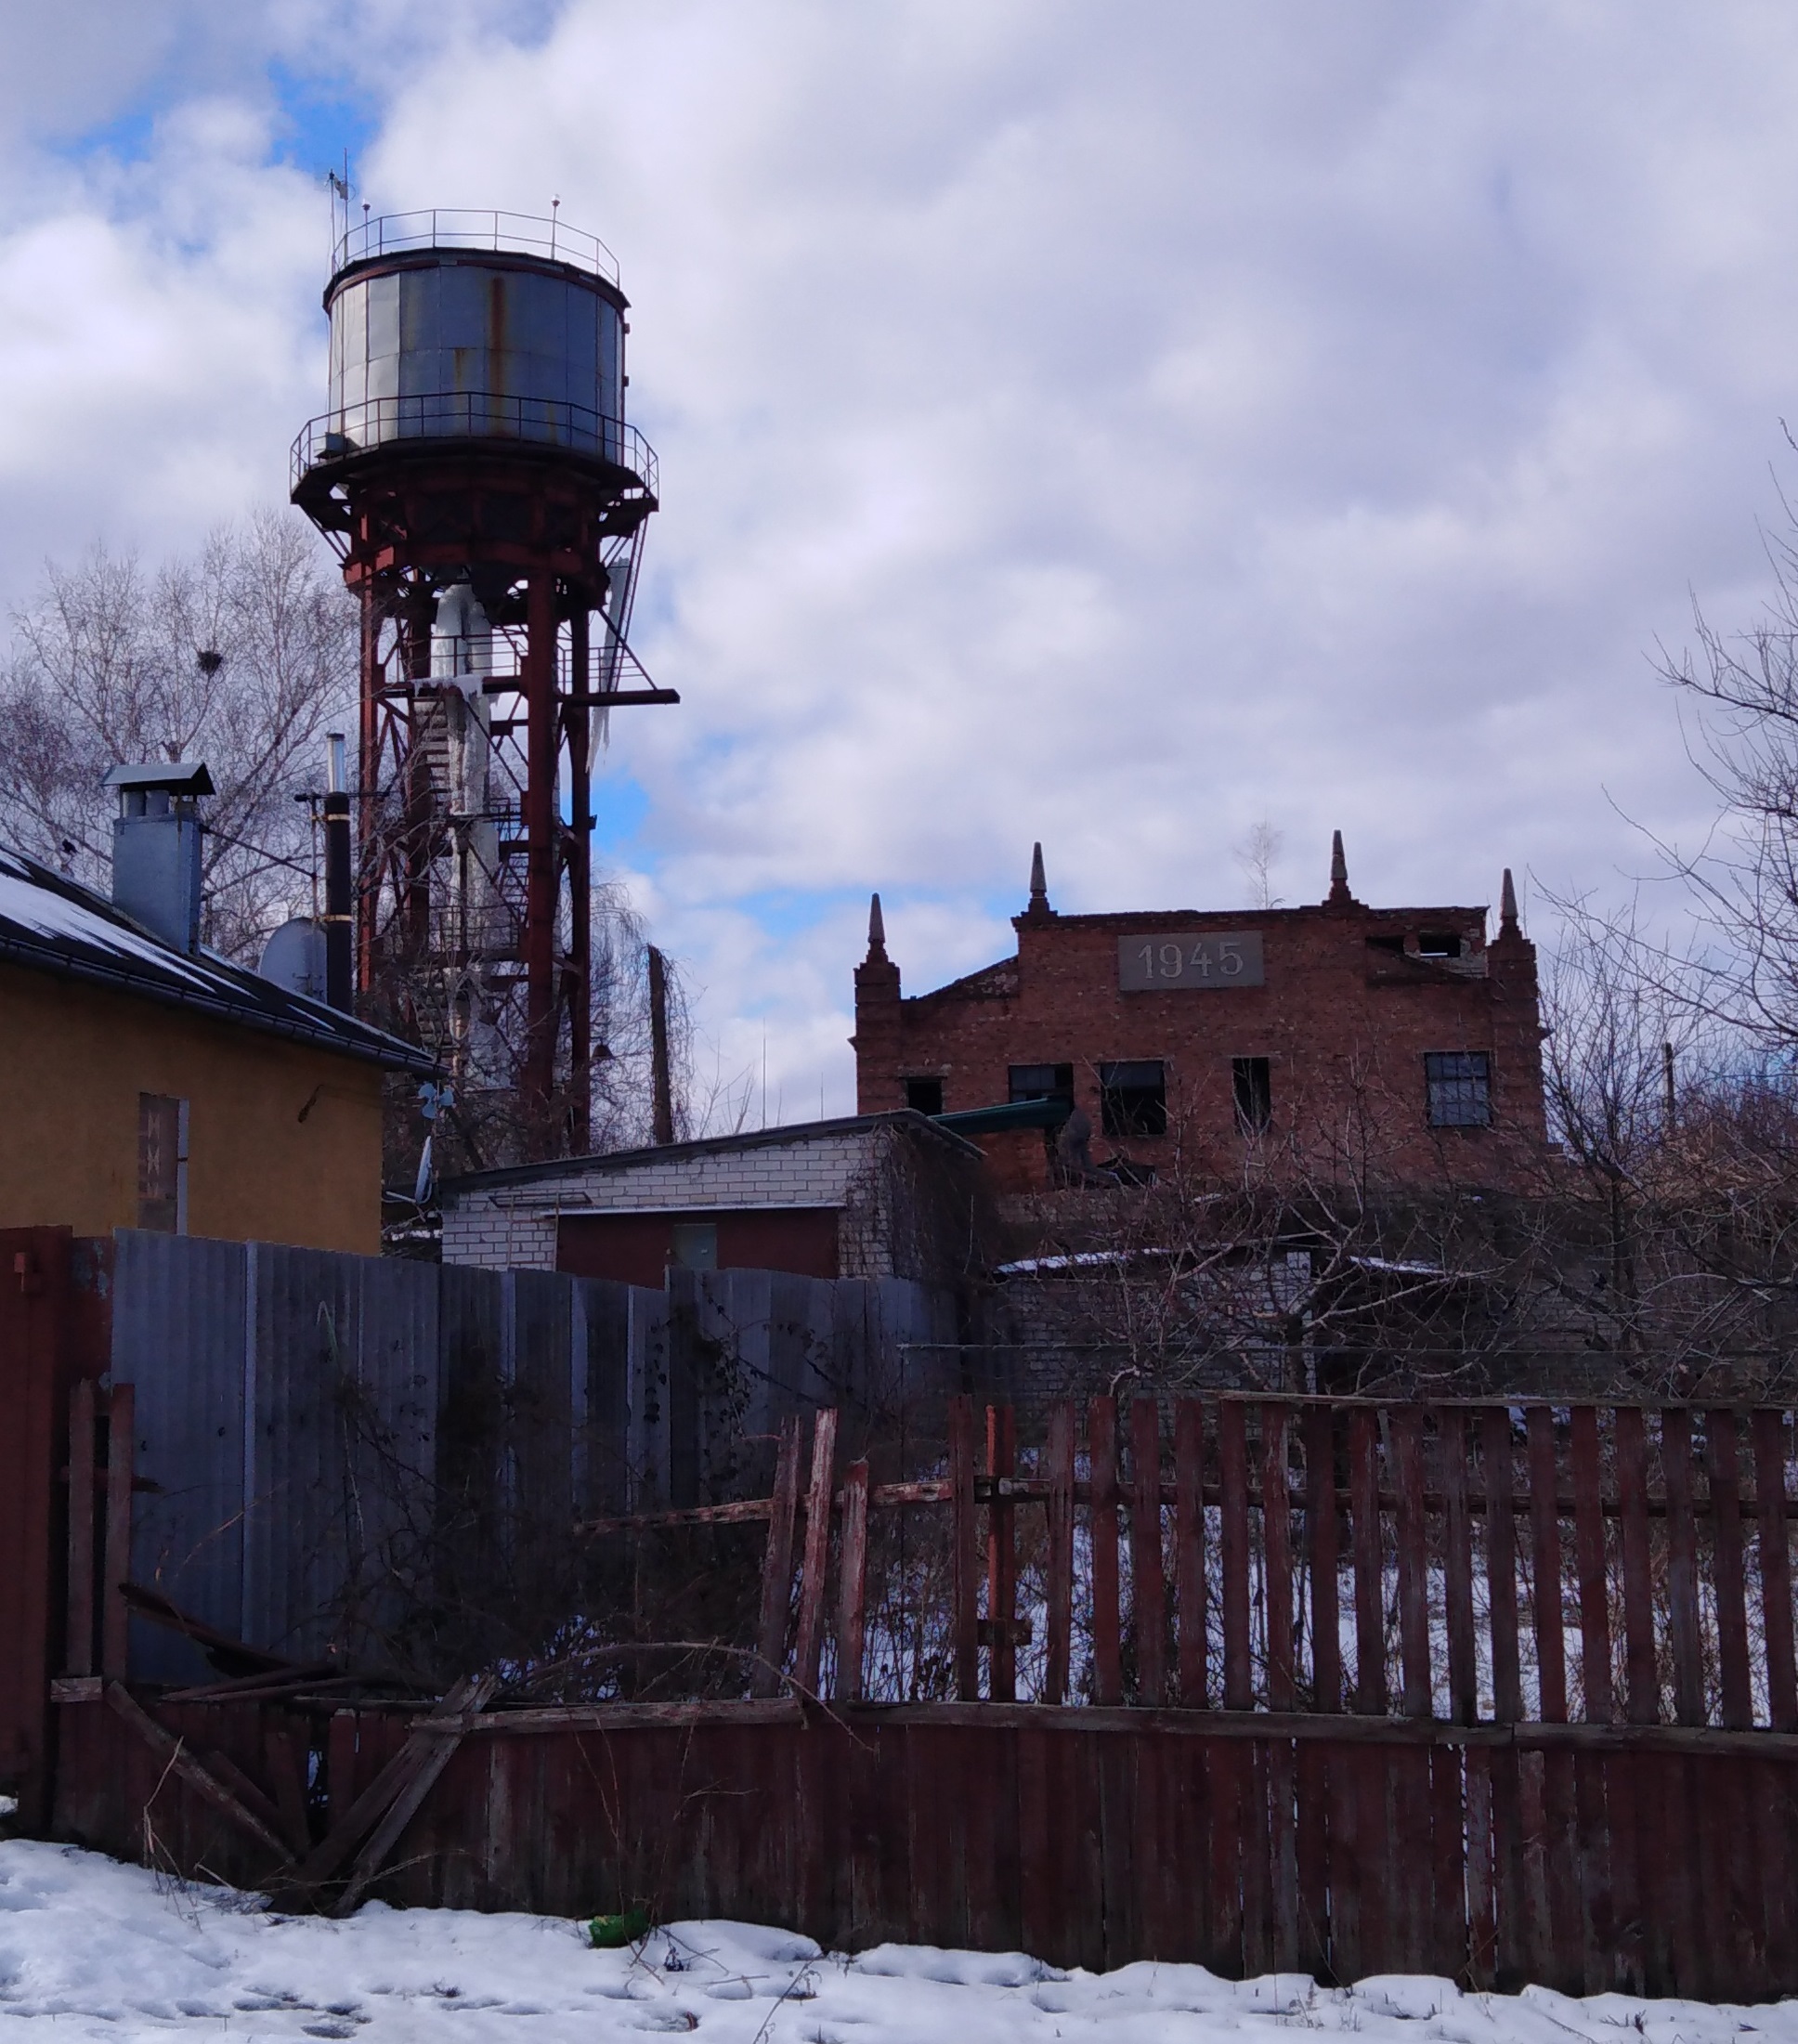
(303, 1417)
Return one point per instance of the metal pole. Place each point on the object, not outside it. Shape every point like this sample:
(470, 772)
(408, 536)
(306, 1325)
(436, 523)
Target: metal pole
(580, 933)
(367, 777)
(662, 1107)
(543, 731)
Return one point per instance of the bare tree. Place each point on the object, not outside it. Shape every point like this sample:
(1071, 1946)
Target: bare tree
(243, 655)
(1257, 855)
(1738, 699)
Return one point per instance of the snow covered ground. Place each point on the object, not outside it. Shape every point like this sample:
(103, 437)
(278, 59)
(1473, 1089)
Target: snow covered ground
(107, 1951)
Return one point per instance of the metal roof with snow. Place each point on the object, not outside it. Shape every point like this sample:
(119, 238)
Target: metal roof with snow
(50, 923)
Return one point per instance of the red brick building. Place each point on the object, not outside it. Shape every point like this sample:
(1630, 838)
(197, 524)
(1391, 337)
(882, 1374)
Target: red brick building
(1395, 1046)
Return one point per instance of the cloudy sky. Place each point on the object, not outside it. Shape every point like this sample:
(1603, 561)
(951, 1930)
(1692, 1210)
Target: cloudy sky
(1113, 424)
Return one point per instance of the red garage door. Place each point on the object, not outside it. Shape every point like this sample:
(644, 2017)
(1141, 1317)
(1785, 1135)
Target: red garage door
(638, 1248)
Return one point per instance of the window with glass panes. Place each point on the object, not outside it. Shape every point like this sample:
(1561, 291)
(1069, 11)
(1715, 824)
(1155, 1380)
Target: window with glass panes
(1458, 1087)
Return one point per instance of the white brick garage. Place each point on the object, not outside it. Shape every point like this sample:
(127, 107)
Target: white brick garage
(865, 1196)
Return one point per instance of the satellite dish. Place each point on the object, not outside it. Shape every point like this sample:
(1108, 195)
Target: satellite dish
(293, 958)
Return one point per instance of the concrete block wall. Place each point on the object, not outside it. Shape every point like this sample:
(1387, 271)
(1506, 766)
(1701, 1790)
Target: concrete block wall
(513, 1226)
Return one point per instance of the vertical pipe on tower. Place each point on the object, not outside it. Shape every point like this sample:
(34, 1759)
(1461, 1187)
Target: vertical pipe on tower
(368, 776)
(580, 935)
(662, 1090)
(339, 907)
(542, 733)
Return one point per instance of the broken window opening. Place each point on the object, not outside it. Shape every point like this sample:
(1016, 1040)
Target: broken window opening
(1133, 1098)
(924, 1096)
(1252, 1085)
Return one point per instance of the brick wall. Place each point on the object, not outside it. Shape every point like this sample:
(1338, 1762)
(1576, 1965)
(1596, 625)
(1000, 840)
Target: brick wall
(511, 1224)
(1347, 1011)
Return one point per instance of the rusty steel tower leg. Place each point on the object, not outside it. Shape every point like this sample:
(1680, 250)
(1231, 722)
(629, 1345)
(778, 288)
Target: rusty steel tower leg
(541, 864)
(368, 778)
(580, 905)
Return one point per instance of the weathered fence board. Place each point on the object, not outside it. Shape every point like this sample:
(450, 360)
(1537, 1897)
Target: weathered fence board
(1092, 1838)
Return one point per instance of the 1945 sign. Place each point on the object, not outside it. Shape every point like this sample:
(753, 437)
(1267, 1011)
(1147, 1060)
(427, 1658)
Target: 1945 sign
(1173, 963)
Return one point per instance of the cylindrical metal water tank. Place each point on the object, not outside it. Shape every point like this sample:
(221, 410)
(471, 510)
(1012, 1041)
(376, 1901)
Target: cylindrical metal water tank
(449, 340)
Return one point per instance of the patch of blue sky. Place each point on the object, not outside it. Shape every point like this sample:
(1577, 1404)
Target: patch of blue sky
(317, 119)
(322, 120)
(620, 808)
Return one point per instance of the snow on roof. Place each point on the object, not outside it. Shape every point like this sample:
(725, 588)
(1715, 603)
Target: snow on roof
(1080, 1259)
(50, 923)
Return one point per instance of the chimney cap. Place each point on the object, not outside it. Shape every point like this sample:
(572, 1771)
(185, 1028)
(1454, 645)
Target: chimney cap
(1338, 893)
(179, 777)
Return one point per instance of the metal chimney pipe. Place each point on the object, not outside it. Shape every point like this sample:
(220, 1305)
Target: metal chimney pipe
(661, 1089)
(339, 923)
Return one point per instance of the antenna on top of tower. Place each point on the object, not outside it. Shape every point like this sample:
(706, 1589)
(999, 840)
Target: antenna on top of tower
(339, 189)
(556, 208)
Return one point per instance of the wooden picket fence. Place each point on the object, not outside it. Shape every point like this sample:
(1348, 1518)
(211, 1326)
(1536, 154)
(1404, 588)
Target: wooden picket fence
(1241, 1553)
(1501, 1694)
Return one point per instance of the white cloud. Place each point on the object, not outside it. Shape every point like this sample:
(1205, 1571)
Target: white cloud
(1106, 426)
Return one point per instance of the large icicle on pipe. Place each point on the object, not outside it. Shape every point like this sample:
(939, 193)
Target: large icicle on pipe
(461, 638)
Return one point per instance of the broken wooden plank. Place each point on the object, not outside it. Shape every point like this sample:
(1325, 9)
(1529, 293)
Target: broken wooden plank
(181, 1760)
(852, 1583)
(464, 1697)
(410, 1793)
(121, 1450)
(809, 1641)
(253, 1796)
(777, 1568)
(745, 1511)
(220, 1648)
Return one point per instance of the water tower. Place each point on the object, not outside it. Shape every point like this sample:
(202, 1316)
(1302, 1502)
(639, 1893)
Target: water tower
(477, 475)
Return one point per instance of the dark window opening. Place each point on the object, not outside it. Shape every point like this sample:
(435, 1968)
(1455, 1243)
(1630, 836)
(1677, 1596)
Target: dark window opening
(1439, 944)
(162, 1164)
(1042, 1082)
(924, 1096)
(1252, 1082)
(1133, 1098)
(1459, 1086)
